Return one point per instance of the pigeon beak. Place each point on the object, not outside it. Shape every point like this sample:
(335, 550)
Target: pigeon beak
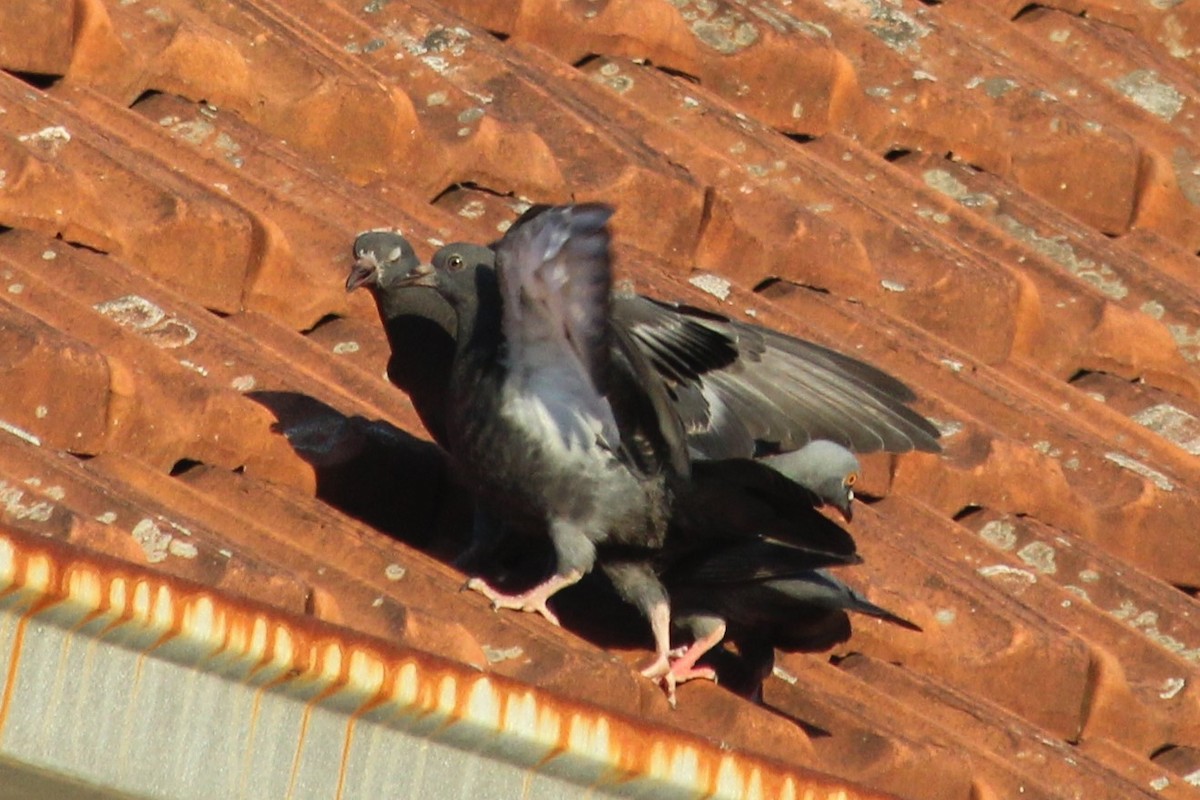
(847, 507)
(421, 275)
(363, 274)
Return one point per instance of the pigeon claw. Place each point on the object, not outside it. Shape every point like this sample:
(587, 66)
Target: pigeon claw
(532, 601)
(668, 671)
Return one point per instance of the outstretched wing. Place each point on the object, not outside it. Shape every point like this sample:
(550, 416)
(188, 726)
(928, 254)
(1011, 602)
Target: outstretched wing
(555, 278)
(742, 390)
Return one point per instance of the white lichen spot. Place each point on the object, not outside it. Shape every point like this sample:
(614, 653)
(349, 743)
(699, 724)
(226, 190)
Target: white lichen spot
(55, 492)
(436, 99)
(51, 139)
(394, 572)
(473, 210)
(1173, 424)
(1089, 575)
(945, 616)
(182, 549)
(41, 412)
(1172, 687)
(148, 319)
(154, 540)
(377, 602)
(893, 286)
(922, 75)
(1133, 465)
(1078, 591)
(1147, 91)
(193, 367)
(951, 364)
(16, 288)
(1040, 556)
(1059, 35)
(341, 348)
(715, 285)
(436, 63)
(1059, 250)
(1045, 448)
(1005, 572)
(13, 503)
(1153, 309)
(495, 655)
(49, 255)
(1158, 784)
(243, 383)
(1000, 534)
(107, 518)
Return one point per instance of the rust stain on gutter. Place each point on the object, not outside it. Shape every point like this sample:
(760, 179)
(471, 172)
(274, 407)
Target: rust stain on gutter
(367, 680)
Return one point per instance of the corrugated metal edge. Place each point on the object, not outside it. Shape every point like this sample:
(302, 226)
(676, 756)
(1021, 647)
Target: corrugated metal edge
(194, 675)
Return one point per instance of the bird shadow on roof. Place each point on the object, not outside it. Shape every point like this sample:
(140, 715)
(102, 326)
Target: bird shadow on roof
(374, 472)
(402, 486)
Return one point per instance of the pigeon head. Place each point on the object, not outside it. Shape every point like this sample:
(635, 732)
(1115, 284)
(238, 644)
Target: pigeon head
(459, 256)
(382, 260)
(825, 468)
(835, 473)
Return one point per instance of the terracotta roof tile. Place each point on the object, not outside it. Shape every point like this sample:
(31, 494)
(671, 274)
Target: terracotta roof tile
(996, 203)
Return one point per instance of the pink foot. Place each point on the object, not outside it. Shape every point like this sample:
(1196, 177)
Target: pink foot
(533, 600)
(669, 671)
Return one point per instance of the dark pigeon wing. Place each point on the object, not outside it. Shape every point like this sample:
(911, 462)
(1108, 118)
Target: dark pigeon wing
(738, 501)
(652, 435)
(751, 562)
(555, 279)
(741, 389)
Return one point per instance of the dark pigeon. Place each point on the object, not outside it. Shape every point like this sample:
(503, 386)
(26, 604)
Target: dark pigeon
(419, 323)
(554, 421)
(740, 390)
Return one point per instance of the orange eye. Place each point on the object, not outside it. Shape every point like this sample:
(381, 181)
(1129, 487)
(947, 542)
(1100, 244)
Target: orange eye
(851, 479)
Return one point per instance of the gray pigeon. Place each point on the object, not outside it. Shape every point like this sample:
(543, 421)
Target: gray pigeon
(825, 468)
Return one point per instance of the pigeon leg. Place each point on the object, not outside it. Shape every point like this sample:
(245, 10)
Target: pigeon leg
(684, 668)
(659, 615)
(668, 673)
(533, 600)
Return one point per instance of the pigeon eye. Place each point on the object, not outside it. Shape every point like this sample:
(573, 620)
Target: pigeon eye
(851, 479)
(454, 262)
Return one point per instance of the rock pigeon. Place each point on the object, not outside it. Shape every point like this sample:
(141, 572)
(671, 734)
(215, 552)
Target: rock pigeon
(740, 390)
(419, 323)
(825, 468)
(555, 422)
